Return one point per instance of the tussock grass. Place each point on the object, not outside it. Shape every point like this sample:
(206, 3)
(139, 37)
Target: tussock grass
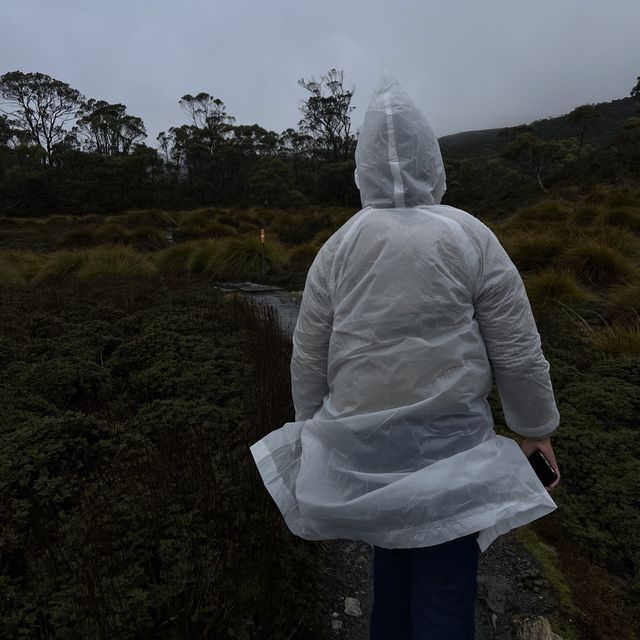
(587, 214)
(200, 256)
(91, 218)
(241, 258)
(57, 219)
(211, 230)
(17, 268)
(617, 238)
(197, 218)
(219, 230)
(148, 238)
(303, 255)
(614, 339)
(551, 286)
(173, 260)
(149, 218)
(60, 266)
(545, 211)
(595, 263)
(625, 217)
(623, 196)
(531, 252)
(111, 233)
(624, 303)
(80, 236)
(322, 236)
(110, 261)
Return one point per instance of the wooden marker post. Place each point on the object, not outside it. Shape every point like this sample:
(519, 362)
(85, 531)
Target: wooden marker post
(262, 245)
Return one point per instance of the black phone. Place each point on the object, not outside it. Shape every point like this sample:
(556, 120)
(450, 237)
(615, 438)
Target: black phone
(543, 468)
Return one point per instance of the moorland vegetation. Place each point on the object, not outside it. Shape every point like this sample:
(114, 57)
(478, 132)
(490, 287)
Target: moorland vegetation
(132, 388)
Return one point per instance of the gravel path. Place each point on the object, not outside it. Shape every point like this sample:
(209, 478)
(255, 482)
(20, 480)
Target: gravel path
(510, 584)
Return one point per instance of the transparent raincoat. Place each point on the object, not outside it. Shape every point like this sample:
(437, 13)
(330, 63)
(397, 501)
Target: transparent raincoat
(407, 311)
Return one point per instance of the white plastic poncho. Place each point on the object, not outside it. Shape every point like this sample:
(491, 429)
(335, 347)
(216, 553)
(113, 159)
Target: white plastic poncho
(406, 310)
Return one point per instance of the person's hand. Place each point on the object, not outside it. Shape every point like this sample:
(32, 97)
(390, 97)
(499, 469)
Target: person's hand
(529, 445)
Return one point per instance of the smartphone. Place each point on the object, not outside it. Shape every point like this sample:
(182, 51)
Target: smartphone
(542, 467)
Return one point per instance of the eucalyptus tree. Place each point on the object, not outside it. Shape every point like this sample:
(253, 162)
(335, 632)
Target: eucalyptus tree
(108, 128)
(583, 116)
(40, 106)
(327, 114)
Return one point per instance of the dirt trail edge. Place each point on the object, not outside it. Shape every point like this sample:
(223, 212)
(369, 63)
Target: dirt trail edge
(514, 598)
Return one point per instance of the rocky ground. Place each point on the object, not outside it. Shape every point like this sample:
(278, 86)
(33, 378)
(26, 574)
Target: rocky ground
(513, 595)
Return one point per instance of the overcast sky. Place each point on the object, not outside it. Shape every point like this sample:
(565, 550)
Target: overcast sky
(468, 64)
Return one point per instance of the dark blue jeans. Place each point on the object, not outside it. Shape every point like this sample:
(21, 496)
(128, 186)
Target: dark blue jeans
(425, 593)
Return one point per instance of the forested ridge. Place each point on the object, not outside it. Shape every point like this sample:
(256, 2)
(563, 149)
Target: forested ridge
(61, 152)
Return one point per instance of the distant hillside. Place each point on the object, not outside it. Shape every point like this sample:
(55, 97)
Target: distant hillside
(490, 141)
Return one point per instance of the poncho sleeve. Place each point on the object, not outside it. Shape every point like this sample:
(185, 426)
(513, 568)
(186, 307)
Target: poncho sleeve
(311, 344)
(513, 344)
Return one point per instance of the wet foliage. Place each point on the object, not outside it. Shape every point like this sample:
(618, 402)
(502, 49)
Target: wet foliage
(130, 505)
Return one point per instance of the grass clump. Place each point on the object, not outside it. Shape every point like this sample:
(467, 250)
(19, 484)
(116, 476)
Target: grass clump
(303, 255)
(548, 210)
(624, 303)
(201, 255)
(241, 258)
(587, 214)
(114, 261)
(148, 238)
(552, 286)
(80, 236)
(614, 339)
(149, 218)
(173, 260)
(625, 217)
(595, 263)
(531, 252)
(60, 266)
(208, 230)
(17, 268)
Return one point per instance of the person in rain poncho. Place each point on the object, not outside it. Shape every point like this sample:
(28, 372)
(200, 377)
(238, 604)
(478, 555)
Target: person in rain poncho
(407, 311)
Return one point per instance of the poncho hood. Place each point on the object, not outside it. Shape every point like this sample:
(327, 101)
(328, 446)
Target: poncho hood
(398, 160)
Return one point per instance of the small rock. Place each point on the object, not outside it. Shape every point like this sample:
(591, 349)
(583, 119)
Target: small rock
(334, 614)
(336, 625)
(537, 628)
(494, 620)
(493, 590)
(352, 607)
